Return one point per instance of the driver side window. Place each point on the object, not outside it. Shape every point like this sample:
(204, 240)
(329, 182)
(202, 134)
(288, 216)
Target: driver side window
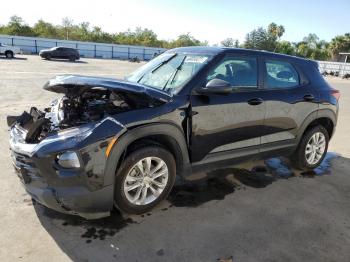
(238, 71)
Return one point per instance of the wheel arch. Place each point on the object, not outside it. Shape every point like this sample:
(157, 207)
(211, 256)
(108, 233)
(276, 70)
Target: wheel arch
(166, 135)
(325, 117)
(9, 51)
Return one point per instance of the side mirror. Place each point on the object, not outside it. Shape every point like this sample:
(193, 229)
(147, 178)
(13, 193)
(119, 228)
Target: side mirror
(216, 86)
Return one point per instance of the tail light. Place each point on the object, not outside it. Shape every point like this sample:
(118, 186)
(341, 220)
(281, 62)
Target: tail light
(335, 93)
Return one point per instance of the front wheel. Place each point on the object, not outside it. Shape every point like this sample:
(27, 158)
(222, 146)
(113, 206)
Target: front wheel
(9, 54)
(144, 179)
(312, 148)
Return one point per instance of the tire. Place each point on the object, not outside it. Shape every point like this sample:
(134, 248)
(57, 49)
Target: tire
(48, 57)
(129, 176)
(301, 159)
(9, 54)
(72, 58)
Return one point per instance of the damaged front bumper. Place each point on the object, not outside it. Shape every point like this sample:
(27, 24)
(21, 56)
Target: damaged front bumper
(80, 191)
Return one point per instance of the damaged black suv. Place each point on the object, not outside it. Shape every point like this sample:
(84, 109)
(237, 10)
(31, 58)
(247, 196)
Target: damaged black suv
(108, 143)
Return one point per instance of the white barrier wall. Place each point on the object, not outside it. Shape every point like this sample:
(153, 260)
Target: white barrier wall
(33, 45)
(341, 68)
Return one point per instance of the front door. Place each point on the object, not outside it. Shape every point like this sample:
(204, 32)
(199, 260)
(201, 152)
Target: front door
(225, 122)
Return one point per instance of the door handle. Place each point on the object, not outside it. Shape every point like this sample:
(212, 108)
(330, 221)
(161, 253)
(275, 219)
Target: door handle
(309, 97)
(255, 101)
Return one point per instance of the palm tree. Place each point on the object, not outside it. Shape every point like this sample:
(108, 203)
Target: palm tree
(339, 44)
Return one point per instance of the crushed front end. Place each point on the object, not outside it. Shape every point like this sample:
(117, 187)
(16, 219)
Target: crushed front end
(59, 153)
(65, 171)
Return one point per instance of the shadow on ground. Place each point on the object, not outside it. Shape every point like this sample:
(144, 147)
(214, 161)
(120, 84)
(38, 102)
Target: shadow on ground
(214, 185)
(66, 61)
(14, 58)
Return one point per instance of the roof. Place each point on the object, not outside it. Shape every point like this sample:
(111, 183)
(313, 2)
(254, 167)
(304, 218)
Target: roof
(216, 50)
(198, 50)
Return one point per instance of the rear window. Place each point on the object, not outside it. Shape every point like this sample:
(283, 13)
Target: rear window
(281, 74)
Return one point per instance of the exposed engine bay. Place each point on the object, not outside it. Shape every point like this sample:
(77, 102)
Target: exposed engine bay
(85, 99)
(74, 110)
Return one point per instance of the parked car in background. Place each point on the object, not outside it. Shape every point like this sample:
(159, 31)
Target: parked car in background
(9, 51)
(61, 53)
(121, 143)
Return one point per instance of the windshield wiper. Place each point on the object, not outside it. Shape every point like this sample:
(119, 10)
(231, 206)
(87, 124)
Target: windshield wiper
(162, 63)
(177, 69)
(158, 66)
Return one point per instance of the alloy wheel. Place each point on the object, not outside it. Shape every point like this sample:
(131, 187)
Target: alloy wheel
(315, 148)
(146, 181)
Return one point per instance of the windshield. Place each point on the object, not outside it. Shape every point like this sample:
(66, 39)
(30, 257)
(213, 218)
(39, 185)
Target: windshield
(169, 71)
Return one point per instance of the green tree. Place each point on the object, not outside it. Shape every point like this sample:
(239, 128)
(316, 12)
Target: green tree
(312, 47)
(340, 43)
(82, 32)
(185, 40)
(285, 47)
(261, 38)
(44, 29)
(264, 39)
(67, 24)
(146, 37)
(228, 42)
(275, 32)
(258, 39)
(17, 26)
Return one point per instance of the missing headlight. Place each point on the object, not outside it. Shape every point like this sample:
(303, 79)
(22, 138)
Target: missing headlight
(68, 159)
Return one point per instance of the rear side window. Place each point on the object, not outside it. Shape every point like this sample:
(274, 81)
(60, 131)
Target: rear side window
(238, 71)
(281, 74)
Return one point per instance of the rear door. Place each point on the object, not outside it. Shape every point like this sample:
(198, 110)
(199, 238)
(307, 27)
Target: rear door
(70, 53)
(225, 122)
(289, 99)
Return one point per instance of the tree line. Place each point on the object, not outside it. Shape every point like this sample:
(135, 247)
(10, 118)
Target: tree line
(85, 32)
(268, 38)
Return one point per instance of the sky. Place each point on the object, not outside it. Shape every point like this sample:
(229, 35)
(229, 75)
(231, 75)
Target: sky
(204, 19)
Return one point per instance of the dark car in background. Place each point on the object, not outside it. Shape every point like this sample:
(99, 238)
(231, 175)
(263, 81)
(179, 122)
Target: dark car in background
(61, 53)
(120, 143)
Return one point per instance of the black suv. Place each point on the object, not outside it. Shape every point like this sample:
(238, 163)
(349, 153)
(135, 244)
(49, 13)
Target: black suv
(121, 143)
(60, 52)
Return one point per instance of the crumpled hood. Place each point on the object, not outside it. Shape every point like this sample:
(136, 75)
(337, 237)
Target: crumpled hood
(76, 84)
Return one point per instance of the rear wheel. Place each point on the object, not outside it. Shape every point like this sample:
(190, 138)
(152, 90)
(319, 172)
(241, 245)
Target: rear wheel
(9, 54)
(72, 58)
(312, 148)
(144, 179)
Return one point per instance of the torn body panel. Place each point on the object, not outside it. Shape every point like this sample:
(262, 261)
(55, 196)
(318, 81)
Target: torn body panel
(86, 100)
(83, 121)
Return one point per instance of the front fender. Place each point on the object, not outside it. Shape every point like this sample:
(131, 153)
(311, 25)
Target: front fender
(139, 132)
